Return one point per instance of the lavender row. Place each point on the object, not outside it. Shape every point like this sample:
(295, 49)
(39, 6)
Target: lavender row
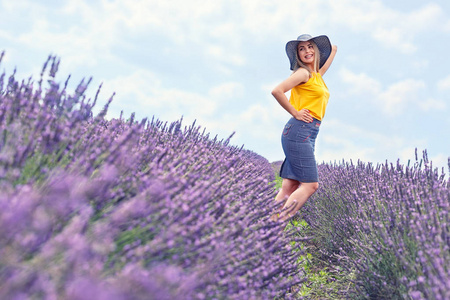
(387, 223)
(102, 208)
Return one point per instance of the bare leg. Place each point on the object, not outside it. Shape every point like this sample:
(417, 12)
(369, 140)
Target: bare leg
(297, 199)
(288, 186)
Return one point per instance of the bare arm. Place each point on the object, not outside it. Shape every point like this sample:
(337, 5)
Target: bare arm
(300, 76)
(330, 59)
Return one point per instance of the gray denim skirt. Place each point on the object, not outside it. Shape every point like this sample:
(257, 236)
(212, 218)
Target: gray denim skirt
(298, 141)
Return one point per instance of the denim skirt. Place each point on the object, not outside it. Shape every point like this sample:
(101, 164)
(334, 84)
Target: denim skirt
(298, 141)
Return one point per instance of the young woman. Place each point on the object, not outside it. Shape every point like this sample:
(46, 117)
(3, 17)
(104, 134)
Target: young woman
(310, 57)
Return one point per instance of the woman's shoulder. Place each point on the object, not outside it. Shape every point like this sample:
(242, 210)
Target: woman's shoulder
(301, 74)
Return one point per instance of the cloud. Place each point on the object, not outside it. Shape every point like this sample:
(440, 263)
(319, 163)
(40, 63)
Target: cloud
(391, 28)
(341, 140)
(218, 53)
(143, 90)
(227, 90)
(440, 161)
(431, 104)
(220, 29)
(444, 84)
(400, 94)
(75, 30)
(394, 98)
(361, 83)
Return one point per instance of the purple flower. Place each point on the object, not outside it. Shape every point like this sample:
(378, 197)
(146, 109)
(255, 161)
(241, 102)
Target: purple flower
(122, 209)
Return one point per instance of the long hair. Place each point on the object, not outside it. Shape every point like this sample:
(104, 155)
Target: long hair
(300, 64)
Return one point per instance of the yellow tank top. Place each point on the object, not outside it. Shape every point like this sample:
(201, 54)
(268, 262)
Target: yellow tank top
(312, 95)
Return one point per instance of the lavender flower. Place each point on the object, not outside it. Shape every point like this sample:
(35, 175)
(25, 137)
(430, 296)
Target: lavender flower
(388, 223)
(129, 209)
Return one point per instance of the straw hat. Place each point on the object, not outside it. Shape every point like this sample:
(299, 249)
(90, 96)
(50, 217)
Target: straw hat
(322, 42)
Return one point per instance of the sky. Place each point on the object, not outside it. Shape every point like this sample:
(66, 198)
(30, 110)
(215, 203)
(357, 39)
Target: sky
(216, 62)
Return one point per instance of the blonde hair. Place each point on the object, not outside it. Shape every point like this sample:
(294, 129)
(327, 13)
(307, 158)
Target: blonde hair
(299, 64)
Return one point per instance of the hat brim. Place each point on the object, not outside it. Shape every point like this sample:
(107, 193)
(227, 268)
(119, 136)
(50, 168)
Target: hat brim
(322, 42)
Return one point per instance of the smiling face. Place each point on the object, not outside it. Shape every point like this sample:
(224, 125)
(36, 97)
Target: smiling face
(306, 53)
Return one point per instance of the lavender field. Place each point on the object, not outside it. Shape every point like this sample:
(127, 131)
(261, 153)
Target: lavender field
(99, 208)
(388, 225)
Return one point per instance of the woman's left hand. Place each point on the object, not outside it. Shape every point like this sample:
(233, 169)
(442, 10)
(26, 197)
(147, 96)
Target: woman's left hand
(304, 115)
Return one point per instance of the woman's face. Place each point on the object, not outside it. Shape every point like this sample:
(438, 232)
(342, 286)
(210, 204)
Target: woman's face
(306, 52)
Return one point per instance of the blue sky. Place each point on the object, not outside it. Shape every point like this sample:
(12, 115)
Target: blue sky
(217, 61)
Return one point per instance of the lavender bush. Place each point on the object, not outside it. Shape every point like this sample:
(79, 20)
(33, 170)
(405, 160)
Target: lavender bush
(130, 209)
(389, 224)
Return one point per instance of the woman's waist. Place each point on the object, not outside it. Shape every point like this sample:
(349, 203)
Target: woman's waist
(315, 122)
(316, 108)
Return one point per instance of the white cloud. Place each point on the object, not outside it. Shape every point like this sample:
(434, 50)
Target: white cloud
(219, 53)
(408, 154)
(392, 28)
(429, 16)
(11, 6)
(52, 30)
(395, 38)
(431, 104)
(339, 140)
(361, 83)
(257, 122)
(219, 27)
(265, 19)
(227, 90)
(440, 161)
(396, 97)
(400, 94)
(444, 84)
(143, 93)
(335, 149)
(91, 29)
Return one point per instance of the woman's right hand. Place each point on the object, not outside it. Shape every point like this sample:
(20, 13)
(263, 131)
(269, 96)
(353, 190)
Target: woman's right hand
(304, 115)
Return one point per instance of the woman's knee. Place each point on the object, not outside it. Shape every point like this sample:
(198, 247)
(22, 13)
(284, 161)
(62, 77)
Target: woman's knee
(289, 185)
(312, 186)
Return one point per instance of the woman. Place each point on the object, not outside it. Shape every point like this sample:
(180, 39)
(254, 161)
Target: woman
(310, 57)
